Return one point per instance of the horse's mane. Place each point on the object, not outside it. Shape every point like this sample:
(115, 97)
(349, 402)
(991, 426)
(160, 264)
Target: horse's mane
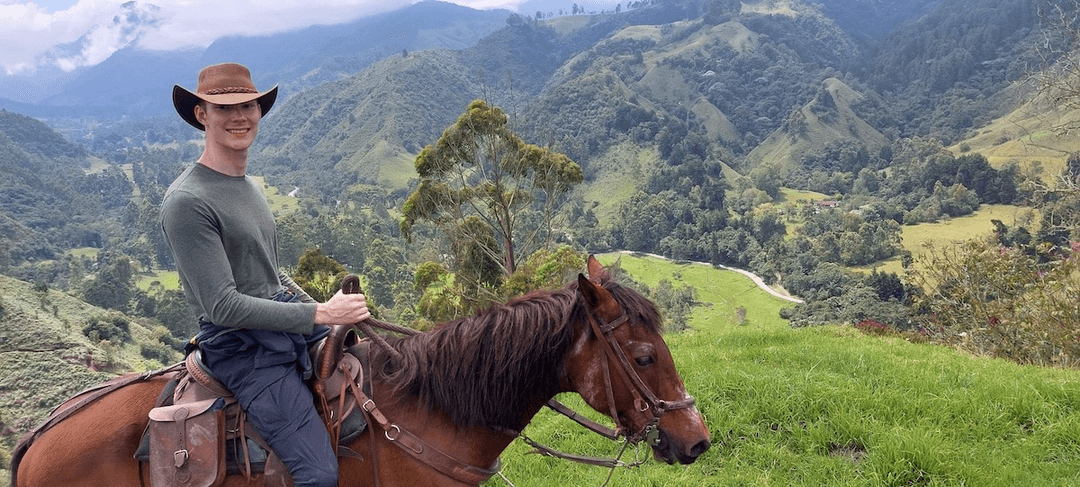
(486, 370)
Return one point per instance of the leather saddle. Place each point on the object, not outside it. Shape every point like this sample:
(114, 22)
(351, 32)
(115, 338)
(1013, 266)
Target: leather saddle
(198, 434)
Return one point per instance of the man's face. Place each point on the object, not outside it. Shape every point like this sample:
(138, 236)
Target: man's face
(231, 127)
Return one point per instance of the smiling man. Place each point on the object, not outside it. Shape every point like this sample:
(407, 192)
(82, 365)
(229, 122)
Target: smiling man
(253, 335)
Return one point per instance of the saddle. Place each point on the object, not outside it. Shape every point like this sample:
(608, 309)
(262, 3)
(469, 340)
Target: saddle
(198, 434)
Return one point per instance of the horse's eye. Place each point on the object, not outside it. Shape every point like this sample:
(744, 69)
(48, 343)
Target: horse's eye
(644, 361)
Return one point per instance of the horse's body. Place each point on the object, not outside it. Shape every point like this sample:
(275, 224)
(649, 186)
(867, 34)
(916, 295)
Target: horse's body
(465, 388)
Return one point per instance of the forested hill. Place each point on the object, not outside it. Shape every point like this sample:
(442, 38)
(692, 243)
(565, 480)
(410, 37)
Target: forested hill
(42, 179)
(35, 137)
(724, 76)
(748, 96)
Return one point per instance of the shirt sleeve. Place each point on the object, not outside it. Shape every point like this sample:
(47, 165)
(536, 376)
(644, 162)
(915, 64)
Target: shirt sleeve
(193, 234)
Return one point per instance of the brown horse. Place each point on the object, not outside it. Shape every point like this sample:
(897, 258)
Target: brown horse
(465, 388)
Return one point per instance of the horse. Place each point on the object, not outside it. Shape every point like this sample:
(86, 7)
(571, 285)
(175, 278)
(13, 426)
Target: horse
(462, 392)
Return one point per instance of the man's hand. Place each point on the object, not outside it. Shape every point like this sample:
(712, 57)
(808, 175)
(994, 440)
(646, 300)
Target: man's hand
(342, 309)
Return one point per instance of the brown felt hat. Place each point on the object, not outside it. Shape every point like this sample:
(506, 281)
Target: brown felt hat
(221, 84)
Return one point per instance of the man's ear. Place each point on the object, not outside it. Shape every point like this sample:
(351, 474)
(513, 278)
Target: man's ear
(200, 113)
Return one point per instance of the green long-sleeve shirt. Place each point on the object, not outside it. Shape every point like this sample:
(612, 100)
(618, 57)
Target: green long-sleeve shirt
(223, 237)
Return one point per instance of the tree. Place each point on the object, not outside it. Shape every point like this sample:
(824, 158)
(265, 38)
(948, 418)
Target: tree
(485, 189)
(1057, 84)
(319, 275)
(114, 285)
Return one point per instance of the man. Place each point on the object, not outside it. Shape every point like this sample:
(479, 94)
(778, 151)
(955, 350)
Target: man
(221, 231)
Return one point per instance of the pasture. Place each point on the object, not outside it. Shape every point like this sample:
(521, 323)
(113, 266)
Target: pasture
(952, 230)
(830, 406)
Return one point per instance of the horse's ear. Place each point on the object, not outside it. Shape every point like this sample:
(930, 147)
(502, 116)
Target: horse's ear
(597, 273)
(590, 290)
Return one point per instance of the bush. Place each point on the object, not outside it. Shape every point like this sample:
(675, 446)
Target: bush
(114, 329)
(1018, 304)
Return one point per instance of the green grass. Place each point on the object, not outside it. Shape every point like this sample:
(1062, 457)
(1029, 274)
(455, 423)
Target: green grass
(794, 195)
(279, 203)
(832, 406)
(88, 252)
(169, 279)
(616, 179)
(947, 232)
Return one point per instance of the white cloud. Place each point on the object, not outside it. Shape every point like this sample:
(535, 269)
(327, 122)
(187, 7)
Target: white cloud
(89, 31)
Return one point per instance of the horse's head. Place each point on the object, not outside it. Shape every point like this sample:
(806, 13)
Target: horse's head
(621, 366)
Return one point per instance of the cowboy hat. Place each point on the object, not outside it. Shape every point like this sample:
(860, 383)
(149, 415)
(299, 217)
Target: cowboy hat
(221, 84)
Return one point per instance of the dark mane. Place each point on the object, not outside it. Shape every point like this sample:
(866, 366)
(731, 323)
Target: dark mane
(487, 369)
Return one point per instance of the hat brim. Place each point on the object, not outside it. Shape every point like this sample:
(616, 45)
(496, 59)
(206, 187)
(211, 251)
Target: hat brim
(185, 102)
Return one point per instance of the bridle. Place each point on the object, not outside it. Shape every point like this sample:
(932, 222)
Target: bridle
(644, 400)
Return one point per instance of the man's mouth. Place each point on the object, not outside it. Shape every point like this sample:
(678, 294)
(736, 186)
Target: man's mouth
(238, 133)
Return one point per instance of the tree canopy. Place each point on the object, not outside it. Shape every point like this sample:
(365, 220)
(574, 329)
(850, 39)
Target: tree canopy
(491, 194)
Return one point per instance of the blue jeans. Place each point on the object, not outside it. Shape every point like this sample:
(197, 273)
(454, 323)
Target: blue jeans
(275, 396)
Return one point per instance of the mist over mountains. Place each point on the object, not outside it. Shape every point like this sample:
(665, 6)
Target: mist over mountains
(131, 80)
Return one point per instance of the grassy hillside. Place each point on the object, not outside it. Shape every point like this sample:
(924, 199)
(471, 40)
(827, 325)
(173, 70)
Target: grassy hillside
(1026, 136)
(826, 119)
(832, 406)
(45, 357)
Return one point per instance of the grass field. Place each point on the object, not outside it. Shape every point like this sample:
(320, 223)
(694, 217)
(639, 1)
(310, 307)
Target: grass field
(975, 225)
(169, 279)
(615, 183)
(279, 203)
(831, 406)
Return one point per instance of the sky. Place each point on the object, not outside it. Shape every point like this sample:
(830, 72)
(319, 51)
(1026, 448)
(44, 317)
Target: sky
(73, 33)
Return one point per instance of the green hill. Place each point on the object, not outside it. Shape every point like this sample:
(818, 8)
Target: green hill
(1031, 136)
(828, 118)
(46, 356)
(364, 129)
(581, 85)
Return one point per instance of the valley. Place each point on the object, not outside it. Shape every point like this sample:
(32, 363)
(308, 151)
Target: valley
(816, 145)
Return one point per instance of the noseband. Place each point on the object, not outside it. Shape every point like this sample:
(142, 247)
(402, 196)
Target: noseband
(644, 398)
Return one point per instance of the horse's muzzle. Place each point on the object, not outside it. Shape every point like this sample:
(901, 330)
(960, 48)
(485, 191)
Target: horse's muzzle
(670, 451)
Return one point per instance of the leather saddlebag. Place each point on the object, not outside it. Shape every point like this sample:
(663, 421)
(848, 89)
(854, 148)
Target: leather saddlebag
(187, 447)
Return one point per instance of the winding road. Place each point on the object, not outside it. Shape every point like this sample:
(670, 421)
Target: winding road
(753, 277)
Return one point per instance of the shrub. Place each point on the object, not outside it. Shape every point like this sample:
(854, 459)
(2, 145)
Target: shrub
(114, 329)
(873, 327)
(1018, 304)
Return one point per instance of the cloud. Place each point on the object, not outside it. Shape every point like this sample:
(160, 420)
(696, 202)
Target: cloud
(88, 32)
(28, 31)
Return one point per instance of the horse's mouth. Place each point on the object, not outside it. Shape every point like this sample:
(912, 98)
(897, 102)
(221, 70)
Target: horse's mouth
(667, 451)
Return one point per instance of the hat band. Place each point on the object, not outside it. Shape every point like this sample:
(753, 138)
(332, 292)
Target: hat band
(227, 90)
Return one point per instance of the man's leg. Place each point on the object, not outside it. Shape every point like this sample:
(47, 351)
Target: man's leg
(284, 413)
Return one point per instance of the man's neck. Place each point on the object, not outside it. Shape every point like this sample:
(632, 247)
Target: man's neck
(227, 164)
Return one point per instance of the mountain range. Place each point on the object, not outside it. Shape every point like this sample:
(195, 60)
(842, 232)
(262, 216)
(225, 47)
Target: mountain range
(765, 83)
(770, 80)
(131, 81)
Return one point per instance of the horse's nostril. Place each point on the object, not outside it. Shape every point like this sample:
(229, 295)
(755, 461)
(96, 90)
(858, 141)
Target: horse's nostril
(699, 448)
